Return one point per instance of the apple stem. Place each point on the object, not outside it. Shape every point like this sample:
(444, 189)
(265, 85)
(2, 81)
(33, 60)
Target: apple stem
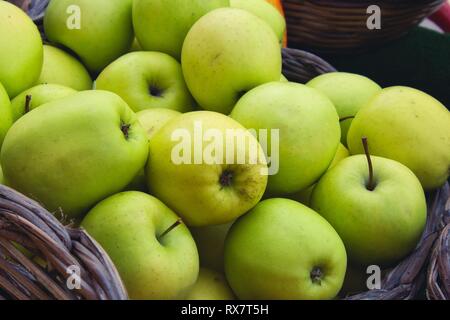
(346, 118)
(173, 226)
(27, 103)
(370, 185)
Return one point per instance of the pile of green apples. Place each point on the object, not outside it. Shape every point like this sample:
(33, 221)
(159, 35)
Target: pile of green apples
(354, 158)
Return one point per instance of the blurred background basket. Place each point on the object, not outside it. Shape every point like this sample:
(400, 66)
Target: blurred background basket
(340, 26)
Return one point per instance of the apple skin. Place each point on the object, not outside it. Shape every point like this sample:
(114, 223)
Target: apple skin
(304, 196)
(61, 68)
(226, 53)
(151, 121)
(194, 191)
(40, 94)
(349, 92)
(210, 242)
(409, 126)
(5, 113)
(128, 226)
(71, 153)
(271, 252)
(134, 76)
(210, 285)
(266, 11)
(106, 30)
(21, 53)
(380, 226)
(308, 128)
(162, 25)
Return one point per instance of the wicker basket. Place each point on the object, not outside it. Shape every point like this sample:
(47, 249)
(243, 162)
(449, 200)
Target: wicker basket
(52, 261)
(340, 26)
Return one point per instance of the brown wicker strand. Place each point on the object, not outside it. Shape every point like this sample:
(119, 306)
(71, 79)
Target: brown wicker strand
(23, 221)
(341, 26)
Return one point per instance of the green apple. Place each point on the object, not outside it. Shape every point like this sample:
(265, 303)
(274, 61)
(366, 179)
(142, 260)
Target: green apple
(73, 152)
(151, 120)
(2, 178)
(61, 68)
(282, 249)
(409, 126)
(227, 53)
(162, 25)
(36, 96)
(210, 285)
(154, 119)
(379, 213)
(21, 50)
(98, 32)
(283, 78)
(309, 131)
(147, 80)
(210, 242)
(349, 93)
(155, 257)
(304, 196)
(217, 182)
(265, 11)
(5, 114)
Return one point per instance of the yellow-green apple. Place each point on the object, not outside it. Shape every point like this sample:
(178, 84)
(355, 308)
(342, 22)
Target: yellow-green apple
(98, 32)
(349, 92)
(61, 68)
(5, 113)
(309, 131)
(304, 196)
(153, 251)
(73, 152)
(266, 11)
(2, 178)
(409, 126)
(283, 78)
(36, 96)
(206, 167)
(162, 25)
(282, 249)
(227, 53)
(154, 119)
(147, 80)
(210, 285)
(21, 54)
(210, 242)
(151, 120)
(378, 208)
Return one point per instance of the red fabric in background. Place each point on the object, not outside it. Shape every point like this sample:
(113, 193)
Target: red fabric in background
(442, 17)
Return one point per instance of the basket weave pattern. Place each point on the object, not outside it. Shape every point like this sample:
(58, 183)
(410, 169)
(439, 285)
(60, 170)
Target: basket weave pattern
(42, 272)
(341, 26)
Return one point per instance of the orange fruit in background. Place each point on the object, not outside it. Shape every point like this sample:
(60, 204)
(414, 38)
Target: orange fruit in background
(277, 4)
